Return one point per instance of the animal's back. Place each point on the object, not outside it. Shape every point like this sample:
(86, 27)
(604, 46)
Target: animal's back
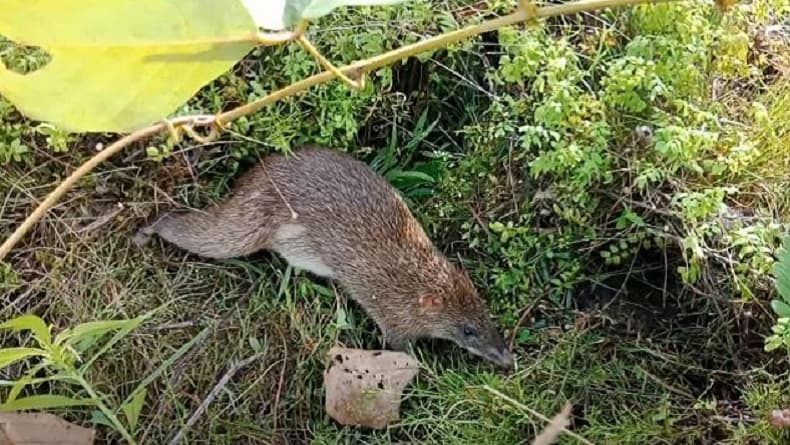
(327, 186)
(345, 214)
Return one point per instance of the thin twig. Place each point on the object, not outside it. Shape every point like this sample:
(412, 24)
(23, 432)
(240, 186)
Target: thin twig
(276, 405)
(236, 367)
(534, 413)
(294, 215)
(522, 320)
(666, 385)
(360, 68)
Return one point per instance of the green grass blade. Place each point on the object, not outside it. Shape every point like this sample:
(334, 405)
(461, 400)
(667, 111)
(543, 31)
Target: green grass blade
(92, 329)
(133, 409)
(13, 355)
(31, 323)
(44, 401)
(123, 332)
(167, 363)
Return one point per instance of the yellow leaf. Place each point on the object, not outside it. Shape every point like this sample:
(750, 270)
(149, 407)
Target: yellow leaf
(123, 64)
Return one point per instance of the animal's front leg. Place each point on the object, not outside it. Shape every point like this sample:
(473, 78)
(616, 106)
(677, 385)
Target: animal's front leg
(394, 338)
(396, 341)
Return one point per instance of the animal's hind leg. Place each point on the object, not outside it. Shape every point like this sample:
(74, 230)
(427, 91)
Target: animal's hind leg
(242, 224)
(145, 233)
(212, 233)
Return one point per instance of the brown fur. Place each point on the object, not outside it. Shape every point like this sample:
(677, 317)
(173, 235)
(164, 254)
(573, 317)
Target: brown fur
(332, 215)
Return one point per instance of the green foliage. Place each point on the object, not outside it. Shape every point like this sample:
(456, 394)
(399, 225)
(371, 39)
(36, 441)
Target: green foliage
(575, 121)
(13, 137)
(391, 162)
(781, 305)
(57, 139)
(60, 359)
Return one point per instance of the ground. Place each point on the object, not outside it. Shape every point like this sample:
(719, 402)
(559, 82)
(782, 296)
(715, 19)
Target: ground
(615, 183)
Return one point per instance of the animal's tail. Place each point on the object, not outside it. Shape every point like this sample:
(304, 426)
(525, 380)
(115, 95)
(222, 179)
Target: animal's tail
(217, 232)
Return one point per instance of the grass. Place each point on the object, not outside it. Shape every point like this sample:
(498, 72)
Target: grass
(588, 271)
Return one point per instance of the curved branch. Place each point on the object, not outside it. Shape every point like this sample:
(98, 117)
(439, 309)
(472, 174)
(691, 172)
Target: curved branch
(354, 70)
(324, 62)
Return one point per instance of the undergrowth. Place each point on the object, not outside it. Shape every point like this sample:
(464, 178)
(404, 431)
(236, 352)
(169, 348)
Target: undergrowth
(616, 184)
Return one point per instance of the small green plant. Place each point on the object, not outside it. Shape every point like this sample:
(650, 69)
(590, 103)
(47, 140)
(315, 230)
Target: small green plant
(61, 360)
(781, 304)
(394, 162)
(57, 139)
(13, 147)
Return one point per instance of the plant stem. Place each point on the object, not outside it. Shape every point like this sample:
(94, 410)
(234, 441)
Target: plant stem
(354, 70)
(104, 408)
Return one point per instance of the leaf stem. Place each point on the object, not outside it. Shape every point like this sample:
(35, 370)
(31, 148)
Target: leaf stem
(104, 408)
(359, 68)
(310, 48)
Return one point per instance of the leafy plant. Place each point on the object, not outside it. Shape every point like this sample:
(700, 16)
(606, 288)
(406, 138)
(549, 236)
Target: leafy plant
(61, 360)
(392, 161)
(781, 304)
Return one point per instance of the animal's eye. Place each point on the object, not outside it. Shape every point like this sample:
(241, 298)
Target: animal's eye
(469, 331)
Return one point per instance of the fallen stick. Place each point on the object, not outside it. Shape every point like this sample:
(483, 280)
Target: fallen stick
(236, 367)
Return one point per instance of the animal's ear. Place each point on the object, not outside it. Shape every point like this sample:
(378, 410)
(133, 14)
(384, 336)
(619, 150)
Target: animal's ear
(431, 301)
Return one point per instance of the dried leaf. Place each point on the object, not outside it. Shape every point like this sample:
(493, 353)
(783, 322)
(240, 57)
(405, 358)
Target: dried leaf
(41, 429)
(557, 425)
(780, 418)
(363, 388)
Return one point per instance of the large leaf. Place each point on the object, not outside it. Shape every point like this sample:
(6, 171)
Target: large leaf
(121, 64)
(782, 271)
(32, 323)
(13, 355)
(44, 401)
(781, 308)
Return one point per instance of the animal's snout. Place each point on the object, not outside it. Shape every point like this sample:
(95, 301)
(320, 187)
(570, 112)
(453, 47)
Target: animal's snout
(502, 357)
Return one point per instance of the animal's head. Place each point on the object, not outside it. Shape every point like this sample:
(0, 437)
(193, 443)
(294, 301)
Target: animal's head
(457, 313)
